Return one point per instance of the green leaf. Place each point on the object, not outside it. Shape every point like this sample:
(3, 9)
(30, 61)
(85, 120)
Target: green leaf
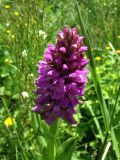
(16, 96)
(53, 128)
(66, 149)
(3, 75)
(2, 91)
(44, 126)
(42, 141)
(34, 121)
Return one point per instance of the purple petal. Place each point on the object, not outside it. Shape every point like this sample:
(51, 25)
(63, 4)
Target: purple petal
(74, 47)
(58, 61)
(53, 73)
(82, 49)
(36, 109)
(65, 67)
(61, 35)
(62, 49)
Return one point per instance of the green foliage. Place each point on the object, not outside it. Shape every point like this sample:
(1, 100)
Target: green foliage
(66, 149)
(22, 45)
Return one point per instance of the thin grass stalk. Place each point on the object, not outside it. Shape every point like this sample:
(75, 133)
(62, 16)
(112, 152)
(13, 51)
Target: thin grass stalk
(103, 146)
(96, 123)
(106, 150)
(117, 96)
(104, 110)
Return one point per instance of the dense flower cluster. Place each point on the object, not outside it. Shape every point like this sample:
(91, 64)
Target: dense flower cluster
(62, 77)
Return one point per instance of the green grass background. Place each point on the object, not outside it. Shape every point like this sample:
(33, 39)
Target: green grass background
(20, 22)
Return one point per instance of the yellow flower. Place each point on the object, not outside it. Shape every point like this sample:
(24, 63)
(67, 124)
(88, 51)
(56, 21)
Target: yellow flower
(9, 122)
(118, 51)
(118, 37)
(13, 36)
(97, 58)
(16, 13)
(7, 6)
(107, 47)
(8, 31)
(85, 57)
(8, 61)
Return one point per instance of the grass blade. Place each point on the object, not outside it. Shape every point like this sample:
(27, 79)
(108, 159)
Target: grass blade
(105, 114)
(104, 110)
(106, 150)
(96, 123)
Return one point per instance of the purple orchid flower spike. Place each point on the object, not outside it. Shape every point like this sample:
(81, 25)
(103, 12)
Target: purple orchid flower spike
(62, 77)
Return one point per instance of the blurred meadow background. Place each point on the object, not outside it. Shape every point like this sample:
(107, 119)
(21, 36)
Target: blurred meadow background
(26, 27)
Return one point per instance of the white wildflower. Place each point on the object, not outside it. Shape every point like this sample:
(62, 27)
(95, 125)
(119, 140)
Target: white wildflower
(24, 53)
(25, 94)
(30, 75)
(7, 24)
(42, 34)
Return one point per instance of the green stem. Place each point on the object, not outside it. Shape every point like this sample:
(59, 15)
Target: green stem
(51, 148)
(103, 146)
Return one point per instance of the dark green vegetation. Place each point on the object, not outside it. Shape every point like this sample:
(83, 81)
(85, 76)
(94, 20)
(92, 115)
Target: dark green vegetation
(22, 44)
